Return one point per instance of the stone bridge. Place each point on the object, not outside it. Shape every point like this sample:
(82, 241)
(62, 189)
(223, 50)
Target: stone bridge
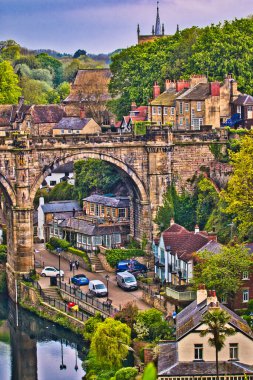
(147, 164)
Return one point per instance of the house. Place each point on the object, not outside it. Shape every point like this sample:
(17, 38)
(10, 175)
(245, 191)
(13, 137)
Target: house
(62, 173)
(47, 212)
(136, 114)
(174, 252)
(104, 220)
(5, 117)
(37, 120)
(243, 106)
(190, 357)
(187, 105)
(76, 125)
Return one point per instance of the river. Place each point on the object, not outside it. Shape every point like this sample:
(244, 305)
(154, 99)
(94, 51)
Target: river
(32, 348)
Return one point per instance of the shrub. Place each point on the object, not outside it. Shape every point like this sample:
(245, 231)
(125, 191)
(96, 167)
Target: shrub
(59, 243)
(127, 373)
(81, 254)
(115, 255)
(49, 247)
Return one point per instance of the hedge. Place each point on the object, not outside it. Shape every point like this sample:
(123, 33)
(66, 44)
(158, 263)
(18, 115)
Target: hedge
(115, 255)
(80, 253)
(59, 243)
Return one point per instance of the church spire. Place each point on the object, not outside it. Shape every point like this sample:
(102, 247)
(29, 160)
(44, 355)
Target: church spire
(157, 24)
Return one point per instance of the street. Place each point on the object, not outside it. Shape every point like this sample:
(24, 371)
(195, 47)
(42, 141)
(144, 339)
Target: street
(118, 296)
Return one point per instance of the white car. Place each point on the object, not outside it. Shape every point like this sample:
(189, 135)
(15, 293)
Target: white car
(51, 272)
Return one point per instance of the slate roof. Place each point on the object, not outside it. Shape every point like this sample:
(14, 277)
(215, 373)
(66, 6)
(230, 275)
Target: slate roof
(108, 201)
(39, 113)
(183, 242)
(167, 98)
(168, 365)
(211, 246)
(66, 168)
(5, 115)
(199, 92)
(244, 100)
(73, 123)
(60, 206)
(89, 229)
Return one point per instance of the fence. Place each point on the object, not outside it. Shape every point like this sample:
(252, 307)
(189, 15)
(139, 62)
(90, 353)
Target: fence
(60, 304)
(89, 299)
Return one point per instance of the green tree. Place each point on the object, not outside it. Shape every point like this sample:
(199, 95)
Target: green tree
(53, 64)
(91, 325)
(222, 271)
(150, 372)
(94, 175)
(238, 196)
(128, 314)
(127, 373)
(70, 70)
(110, 342)
(34, 91)
(78, 53)
(9, 88)
(63, 90)
(216, 322)
(156, 327)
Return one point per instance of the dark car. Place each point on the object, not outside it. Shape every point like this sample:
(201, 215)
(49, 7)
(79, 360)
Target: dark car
(80, 279)
(132, 266)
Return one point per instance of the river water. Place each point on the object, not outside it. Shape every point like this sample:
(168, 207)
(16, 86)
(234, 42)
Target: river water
(32, 348)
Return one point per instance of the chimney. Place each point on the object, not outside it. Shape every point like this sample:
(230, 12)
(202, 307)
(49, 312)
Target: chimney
(133, 106)
(156, 90)
(201, 294)
(234, 89)
(181, 84)
(41, 201)
(172, 222)
(73, 212)
(212, 298)
(196, 79)
(215, 88)
(196, 230)
(82, 113)
(169, 84)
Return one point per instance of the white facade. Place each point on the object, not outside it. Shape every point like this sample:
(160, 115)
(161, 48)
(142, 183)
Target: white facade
(55, 178)
(41, 220)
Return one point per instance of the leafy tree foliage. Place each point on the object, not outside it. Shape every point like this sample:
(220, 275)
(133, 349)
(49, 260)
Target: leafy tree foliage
(222, 271)
(94, 175)
(110, 342)
(151, 325)
(9, 89)
(128, 373)
(48, 62)
(34, 91)
(150, 372)
(78, 53)
(128, 314)
(238, 196)
(215, 50)
(90, 326)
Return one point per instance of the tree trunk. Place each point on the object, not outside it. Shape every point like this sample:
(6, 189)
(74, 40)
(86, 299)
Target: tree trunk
(217, 364)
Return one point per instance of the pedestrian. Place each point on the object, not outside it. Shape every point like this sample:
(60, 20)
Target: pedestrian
(77, 264)
(70, 265)
(73, 266)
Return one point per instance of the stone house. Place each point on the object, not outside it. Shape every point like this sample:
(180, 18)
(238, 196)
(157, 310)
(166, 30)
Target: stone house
(191, 357)
(109, 207)
(174, 252)
(76, 125)
(243, 106)
(187, 105)
(62, 173)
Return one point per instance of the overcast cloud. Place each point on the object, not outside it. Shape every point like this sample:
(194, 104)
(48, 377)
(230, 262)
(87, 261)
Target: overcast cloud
(105, 25)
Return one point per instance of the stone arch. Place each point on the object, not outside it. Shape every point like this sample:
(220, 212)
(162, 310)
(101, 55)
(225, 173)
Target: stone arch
(143, 195)
(8, 191)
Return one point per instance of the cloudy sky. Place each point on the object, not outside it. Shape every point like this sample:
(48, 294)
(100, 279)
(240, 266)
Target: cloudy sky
(105, 25)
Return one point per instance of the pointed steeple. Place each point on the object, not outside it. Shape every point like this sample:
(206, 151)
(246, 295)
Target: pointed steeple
(157, 24)
(138, 30)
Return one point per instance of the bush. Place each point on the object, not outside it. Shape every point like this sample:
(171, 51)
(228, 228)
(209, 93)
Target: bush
(59, 243)
(115, 255)
(49, 247)
(127, 373)
(80, 253)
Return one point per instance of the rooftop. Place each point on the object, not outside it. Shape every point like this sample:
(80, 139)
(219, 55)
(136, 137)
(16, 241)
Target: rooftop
(108, 201)
(73, 123)
(61, 206)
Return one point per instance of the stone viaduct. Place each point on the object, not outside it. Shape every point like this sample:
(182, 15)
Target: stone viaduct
(147, 164)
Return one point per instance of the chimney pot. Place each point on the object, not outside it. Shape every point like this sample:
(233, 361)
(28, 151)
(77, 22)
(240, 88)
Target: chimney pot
(133, 106)
(156, 90)
(196, 229)
(172, 221)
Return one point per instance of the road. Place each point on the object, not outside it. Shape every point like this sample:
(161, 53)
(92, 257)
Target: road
(119, 297)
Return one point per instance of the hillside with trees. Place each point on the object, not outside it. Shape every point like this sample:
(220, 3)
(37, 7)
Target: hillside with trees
(215, 50)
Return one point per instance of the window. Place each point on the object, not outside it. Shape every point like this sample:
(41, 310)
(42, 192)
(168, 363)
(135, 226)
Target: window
(162, 257)
(69, 131)
(181, 108)
(52, 183)
(153, 110)
(192, 112)
(79, 238)
(245, 275)
(199, 105)
(233, 351)
(113, 212)
(77, 131)
(103, 210)
(122, 212)
(97, 210)
(245, 295)
(62, 131)
(56, 231)
(97, 240)
(88, 240)
(197, 122)
(181, 121)
(187, 123)
(159, 111)
(239, 110)
(198, 351)
(172, 111)
(92, 208)
(186, 107)
(116, 238)
(51, 230)
(165, 110)
(84, 239)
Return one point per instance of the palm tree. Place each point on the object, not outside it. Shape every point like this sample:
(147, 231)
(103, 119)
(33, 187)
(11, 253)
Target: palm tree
(216, 321)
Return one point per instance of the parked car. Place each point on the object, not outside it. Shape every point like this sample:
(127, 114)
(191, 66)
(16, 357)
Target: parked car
(98, 288)
(51, 272)
(126, 280)
(80, 279)
(132, 266)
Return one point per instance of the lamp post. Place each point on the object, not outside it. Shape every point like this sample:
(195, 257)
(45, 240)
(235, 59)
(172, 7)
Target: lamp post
(76, 366)
(62, 365)
(107, 284)
(59, 257)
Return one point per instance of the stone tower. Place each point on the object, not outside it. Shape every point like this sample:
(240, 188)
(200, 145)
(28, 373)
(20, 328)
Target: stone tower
(157, 30)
